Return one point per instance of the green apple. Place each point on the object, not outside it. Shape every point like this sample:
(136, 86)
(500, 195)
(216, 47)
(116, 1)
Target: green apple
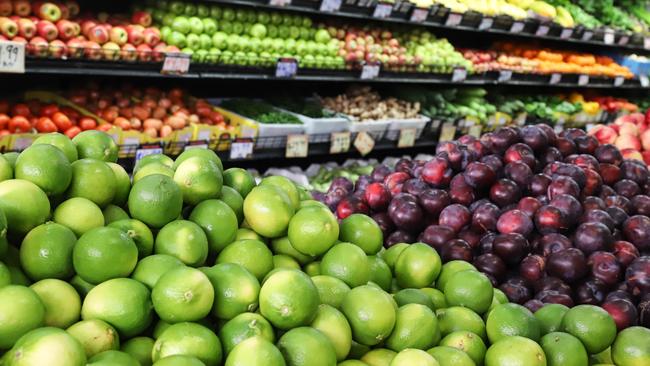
(162, 4)
(276, 18)
(290, 46)
(244, 43)
(157, 15)
(213, 55)
(225, 26)
(263, 17)
(240, 15)
(237, 27)
(177, 7)
(190, 9)
(321, 49)
(200, 56)
(258, 31)
(165, 31)
(228, 14)
(205, 41)
(176, 39)
(255, 44)
(283, 32)
(332, 49)
(311, 48)
(196, 25)
(251, 16)
(304, 33)
(301, 47)
(265, 57)
(193, 41)
(296, 20)
(306, 22)
(239, 58)
(168, 19)
(286, 19)
(320, 61)
(278, 45)
(209, 26)
(308, 60)
(266, 43)
(181, 24)
(187, 51)
(252, 58)
(322, 36)
(232, 43)
(216, 12)
(272, 31)
(294, 32)
(226, 57)
(219, 40)
(202, 10)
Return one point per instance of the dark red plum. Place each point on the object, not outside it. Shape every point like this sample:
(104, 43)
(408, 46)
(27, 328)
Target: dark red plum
(520, 152)
(643, 310)
(505, 192)
(519, 173)
(593, 203)
(592, 237)
(625, 252)
(478, 203)
(554, 297)
(472, 237)
(609, 154)
(534, 137)
(503, 138)
(635, 170)
(455, 216)
(593, 184)
(516, 290)
(609, 173)
(491, 264)
(362, 183)
(583, 161)
(569, 170)
(405, 213)
(549, 219)
(551, 136)
(551, 243)
(515, 221)
(377, 196)
(415, 186)
(494, 162)
(552, 284)
(590, 291)
(606, 191)
(622, 311)
(385, 224)
(479, 175)
(627, 188)
(563, 185)
(486, 242)
(569, 206)
(351, 205)
(618, 294)
(637, 231)
(565, 146)
(436, 236)
(550, 155)
(539, 184)
(641, 204)
(605, 268)
(437, 172)
(399, 236)
(457, 249)
(512, 248)
(599, 216)
(404, 165)
(572, 133)
(570, 265)
(380, 172)
(586, 144)
(434, 200)
(532, 268)
(461, 192)
(637, 276)
(617, 214)
(341, 183)
(395, 181)
(529, 205)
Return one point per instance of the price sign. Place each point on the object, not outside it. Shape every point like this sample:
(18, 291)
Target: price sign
(406, 137)
(459, 75)
(419, 15)
(505, 75)
(475, 131)
(555, 78)
(141, 153)
(589, 126)
(566, 33)
(587, 35)
(583, 80)
(286, 68)
(486, 23)
(542, 30)
(619, 80)
(643, 79)
(279, 2)
(241, 150)
(176, 63)
(12, 57)
(453, 19)
(330, 5)
(195, 146)
(382, 10)
(448, 132)
(364, 143)
(517, 27)
(370, 71)
(297, 146)
(624, 40)
(609, 37)
(646, 43)
(521, 119)
(340, 142)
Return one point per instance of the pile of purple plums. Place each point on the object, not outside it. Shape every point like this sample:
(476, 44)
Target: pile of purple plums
(548, 218)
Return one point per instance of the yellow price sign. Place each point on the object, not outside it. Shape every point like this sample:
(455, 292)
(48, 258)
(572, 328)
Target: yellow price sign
(406, 137)
(448, 132)
(339, 142)
(297, 146)
(364, 143)
(475, 131)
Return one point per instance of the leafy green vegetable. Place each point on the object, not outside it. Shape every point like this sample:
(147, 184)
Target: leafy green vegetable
(260, 111)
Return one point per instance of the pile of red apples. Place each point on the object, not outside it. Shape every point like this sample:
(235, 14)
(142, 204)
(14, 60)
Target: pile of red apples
(630, 133)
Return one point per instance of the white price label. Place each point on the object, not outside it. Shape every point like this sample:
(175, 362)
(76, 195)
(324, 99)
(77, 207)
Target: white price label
(459, 75)
(505, 75)
(279, 2)
(330, 5)
(141, 153)
(435, 125)
(624, 40)
(583, 80)
(364, 143)
(195, 146)
(643, 79)
(241, 150)
(646, 43)
(521, 119)
(486, 23)
(609, 37)
(555, 78)
(286, 68)
(297, 146)
(619, 80)
(589, 126)
(406, 137)
(419, 15)
(448, 132)
(339, 142)
(587, 35)
(566, 33)
(453, 19)
(542, 30)
(517, 27)
(475, 131)
(176, 63)
(370, 71)
(382, 10)
(12, 57)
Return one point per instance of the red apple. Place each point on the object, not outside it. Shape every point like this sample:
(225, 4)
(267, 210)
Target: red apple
(142, 18)
(47, 30)
(128, 52)
(144, 52)
(111, 51)
(38, 46)
(48, 11)
(99, 34)
(118, 35)
(628, 142)
(604, 134)
(151, 36)
(26, 28)
(58, 49)
(92, 50)
(6, 8)
(136, 34)
(8, 27)
(76, 47)
(22, 7)
(159, 52)
(18, 39)
(631, 154)
(86, 26)
(66, 29)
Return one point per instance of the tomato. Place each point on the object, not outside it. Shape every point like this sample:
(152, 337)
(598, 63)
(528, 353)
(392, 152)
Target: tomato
(4, 121)
(61, 121)
(49, 110)
(19, 124)
(122, 123)
(21, 109)
(87, 123)
(104, 127)
(45, 125)
(72, 131)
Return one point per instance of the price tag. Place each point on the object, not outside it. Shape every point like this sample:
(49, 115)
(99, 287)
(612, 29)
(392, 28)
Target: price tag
(583, 80)
(241, 150)
(279, 2)
(555, 78)
(558, 128)
(643, 79)
(176, 63)
(475, 131)
(382, 10)
(609, 37)
(448, 132)
(589, 126)
(486, 23)
(339, 142)
(542, 30)
(619, 80)
(297, 146)
(330, 6)
(453, 19)
(587, 35)
(370, 71)
(406, 137)
(517, 27)
(141, 153)
(646, 43)
(286, 68)
(566, 33)
(624, 40)
(419, 15)
(12, 57)
(459, 75)
(521, 119)
(505, 75)
(195, 146)
(435, 125)
(364, 143)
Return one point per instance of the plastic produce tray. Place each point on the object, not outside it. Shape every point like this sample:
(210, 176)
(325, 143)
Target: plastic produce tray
(395, 126)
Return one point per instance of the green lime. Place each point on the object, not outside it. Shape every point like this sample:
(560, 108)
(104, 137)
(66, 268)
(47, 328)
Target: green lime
(457, 318)
(11, 157)
(46, 346)
(200, 153)
(363, 231)
(18, 277)
(348, 263)
(410, 357)
(436, 296)
(239, 179)
(62, 302)
(352, 363)
(154, 158)
(139, 348)
(24, 204)
(233, 199)
(121, 302)
(604, 357)
(60, 141)
(94, 180)
(188, 339)
(515, 351)
(122, 184)
(96, 145)
(331, 290)
(251, 254)
(312, 203)
(244, 233)
(268, 210)
(182, 294)
(151, 268)
(6, 169)
(312, 269)
(286, 185)
(470, 289)
(155, 200)
(500, 297)
(179, 360)
(112, 213)
(379, 357)
(46, 166)
(5, 275)
(357, 350)
(449, 356)
(335, 327)
(283, 246)
(46, 252)
(153, 169)
(508, 320)
(413, 296)
(313, 231)
(4, 244)
(416, 326)
(242, 327)
(104, 253)
(380, 272)
(550, 317)
(468, 342)
(184, 240)
(110, 358)
(284, 261)
(83, 287)
(563, 349)
(417, 266)
(79, 215)
(199, 178)
(236, 290)
(592, 325)
(138, 232)
(305, 346)
(218, 221)
(160, 327)
(288, 299)
(448, 269)
(371, 313)
(21, 310)
(255, 351)
(632, 347)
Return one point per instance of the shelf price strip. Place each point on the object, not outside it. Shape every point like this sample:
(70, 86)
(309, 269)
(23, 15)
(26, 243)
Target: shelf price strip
(370, 71)
(453, 19)
(364, 143)
(176, 64)
(583, 80)
(331, 6)
(339, 142)
(459, 75)
(241, 149)
(542, 30)
(12, 57)
(619, 80)
(566, 33)
(286, 68)
(505, 75)
(279, 2)
(517, 27)
(486, 23)
(555, 79)
(382, 10)
(448, 132)
(419, 15)
(297, 146)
